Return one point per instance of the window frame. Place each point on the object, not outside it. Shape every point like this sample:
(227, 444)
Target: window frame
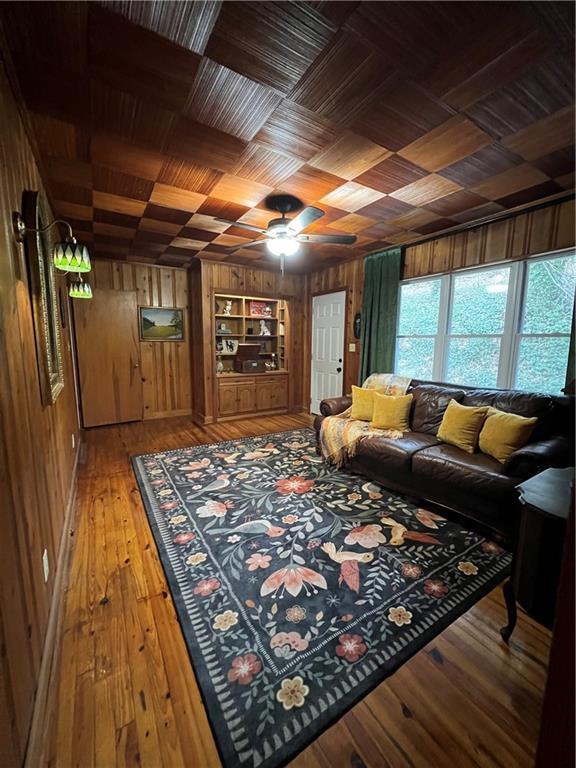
(511, 335)
(504, 345)
(434, 336)
(520, 307)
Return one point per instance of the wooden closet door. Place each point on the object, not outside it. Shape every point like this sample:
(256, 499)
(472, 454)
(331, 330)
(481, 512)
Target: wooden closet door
(108, 349)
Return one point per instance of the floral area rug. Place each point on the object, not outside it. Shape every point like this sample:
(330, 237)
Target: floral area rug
(299, 587)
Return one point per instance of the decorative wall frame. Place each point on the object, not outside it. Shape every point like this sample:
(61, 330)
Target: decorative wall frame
(227, 346)
(161, 323)
(44, 297)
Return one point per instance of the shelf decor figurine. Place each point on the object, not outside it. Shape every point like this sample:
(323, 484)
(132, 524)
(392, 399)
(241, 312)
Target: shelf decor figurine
(227, 308)
(264, 329)
(219, 365)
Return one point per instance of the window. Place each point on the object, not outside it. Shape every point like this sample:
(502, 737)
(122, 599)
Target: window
(418, 327)
(478, 311)
(502, 326)
(544, 337)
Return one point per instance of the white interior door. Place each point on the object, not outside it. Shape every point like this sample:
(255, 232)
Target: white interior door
(328, 315)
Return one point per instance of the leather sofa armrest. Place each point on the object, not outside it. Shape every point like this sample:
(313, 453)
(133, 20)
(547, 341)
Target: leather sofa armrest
(537, 456)
(334, 405)
(318, 423)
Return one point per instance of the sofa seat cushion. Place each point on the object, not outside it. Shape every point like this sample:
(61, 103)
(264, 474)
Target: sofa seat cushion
(475, 473)
(395, 453)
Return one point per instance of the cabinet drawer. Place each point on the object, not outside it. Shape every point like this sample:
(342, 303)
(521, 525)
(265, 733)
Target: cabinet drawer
(276, 380)
(228, 381)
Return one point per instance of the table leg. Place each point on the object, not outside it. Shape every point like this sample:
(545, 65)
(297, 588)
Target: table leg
(510, 598)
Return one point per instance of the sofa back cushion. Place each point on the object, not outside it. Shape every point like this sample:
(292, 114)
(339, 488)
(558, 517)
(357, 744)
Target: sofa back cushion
(527, 404)
(555, 413)
(430, 402)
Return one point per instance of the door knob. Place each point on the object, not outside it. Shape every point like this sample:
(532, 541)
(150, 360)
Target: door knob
(338, 370)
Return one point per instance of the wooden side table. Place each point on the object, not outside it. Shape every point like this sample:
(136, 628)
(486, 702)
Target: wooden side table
(533, 583)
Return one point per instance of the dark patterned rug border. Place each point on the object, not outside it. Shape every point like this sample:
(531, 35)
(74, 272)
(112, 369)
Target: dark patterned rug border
(175, 451)
(326, 719)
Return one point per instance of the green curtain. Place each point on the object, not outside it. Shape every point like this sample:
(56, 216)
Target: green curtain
(379, 312)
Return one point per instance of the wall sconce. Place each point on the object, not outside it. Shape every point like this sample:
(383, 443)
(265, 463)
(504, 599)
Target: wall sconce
(68, 255)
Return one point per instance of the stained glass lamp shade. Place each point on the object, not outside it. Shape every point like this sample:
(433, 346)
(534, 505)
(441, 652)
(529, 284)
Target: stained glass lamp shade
(71, 256)
(80, 290)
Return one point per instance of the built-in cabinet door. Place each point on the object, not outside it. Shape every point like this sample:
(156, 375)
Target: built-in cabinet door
(246, 398)
(279, 397)
(264, 395)
(108, 357)
(272, 393)
(228, 395)
(254, 395)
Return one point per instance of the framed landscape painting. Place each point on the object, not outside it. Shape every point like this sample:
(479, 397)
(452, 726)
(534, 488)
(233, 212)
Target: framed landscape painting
(161, 324)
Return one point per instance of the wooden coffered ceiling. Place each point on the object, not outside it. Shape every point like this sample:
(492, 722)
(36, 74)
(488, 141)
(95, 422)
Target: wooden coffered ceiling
(398, 119)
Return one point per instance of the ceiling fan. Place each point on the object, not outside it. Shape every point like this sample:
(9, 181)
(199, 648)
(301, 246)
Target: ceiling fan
(284, 235)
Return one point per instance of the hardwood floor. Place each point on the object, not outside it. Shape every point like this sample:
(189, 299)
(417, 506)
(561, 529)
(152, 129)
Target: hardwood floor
(124, 690)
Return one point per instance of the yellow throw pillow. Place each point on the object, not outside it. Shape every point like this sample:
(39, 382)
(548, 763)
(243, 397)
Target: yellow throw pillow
(503, 433)
(362, 403)
(461, 425)
(392, 412)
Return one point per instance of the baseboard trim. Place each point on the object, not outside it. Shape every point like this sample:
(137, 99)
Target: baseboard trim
(167, 414)
(201, 419)
(45, 693)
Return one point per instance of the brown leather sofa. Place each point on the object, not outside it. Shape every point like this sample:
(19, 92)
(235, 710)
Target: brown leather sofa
(475, 486)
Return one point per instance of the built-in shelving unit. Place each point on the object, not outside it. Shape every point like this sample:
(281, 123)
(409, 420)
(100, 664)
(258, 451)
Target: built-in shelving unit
(244, 323)
(250, 319)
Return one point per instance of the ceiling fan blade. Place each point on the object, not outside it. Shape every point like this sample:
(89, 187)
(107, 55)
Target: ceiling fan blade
(242, 225)
(338, 239)
(249, 244)
(304, 218)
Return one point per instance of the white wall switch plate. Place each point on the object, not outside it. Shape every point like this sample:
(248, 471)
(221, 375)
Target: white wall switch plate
(45, 564)
(351, 347)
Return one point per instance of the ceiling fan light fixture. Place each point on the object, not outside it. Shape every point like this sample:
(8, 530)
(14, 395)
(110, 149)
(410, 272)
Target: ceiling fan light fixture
(282, 246)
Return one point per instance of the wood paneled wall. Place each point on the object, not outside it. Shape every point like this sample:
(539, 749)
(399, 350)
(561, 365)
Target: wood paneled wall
(349, 276)
(528, 234)
(37, 459)
(165, 365)
(207, 277)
